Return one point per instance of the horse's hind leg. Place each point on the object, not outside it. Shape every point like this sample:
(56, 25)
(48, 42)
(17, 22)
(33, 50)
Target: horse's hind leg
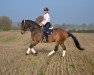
(56, 48)
(31, 48)
(64, 49)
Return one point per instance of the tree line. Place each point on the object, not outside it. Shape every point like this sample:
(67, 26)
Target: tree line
(83, 28)
(7, 24)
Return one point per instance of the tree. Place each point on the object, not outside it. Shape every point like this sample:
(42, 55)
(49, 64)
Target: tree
(5, 23)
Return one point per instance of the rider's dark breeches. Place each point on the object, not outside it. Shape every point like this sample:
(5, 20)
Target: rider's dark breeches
(46, 27)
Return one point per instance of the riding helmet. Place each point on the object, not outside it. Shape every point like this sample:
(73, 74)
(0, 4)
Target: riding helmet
(46, 9)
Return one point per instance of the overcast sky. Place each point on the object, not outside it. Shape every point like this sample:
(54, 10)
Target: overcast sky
(61, 11)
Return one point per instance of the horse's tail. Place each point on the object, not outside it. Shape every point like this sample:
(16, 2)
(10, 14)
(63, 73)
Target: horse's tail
(75, 41)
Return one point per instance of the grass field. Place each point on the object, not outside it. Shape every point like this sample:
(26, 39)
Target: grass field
(13, 61)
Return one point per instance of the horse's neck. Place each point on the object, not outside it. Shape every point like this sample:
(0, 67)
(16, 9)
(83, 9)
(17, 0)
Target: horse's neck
(34, 26)
(38, 32)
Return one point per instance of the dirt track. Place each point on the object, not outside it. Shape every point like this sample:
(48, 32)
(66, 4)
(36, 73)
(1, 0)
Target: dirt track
(13, 61)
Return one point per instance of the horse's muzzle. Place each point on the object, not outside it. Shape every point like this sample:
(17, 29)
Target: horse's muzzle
(22, 32)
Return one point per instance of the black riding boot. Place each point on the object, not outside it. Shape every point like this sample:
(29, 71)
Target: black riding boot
(45, 38)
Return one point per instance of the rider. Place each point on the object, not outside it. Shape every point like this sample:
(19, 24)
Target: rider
(46, 23)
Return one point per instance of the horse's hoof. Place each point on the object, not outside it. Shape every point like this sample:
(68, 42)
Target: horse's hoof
(36, 53)
(26, 54)
(48, 55)
(62, 56)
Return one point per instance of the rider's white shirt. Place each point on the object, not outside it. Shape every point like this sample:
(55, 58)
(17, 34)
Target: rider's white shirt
(46, 19)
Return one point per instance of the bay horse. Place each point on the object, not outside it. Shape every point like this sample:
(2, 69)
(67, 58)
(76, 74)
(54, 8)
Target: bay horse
(59, 36)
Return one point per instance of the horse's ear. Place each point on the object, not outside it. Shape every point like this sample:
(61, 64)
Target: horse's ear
(23, 21)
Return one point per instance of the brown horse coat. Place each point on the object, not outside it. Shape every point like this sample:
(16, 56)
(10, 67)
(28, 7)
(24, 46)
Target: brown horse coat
(58, 36)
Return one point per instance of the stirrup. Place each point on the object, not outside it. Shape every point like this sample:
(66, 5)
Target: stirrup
(51, 28)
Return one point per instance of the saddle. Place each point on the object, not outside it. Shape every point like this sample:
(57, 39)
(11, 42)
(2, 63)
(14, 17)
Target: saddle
(50, 31)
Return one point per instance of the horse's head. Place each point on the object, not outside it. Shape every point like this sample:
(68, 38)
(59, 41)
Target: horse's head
(24, 26)
(28, 24)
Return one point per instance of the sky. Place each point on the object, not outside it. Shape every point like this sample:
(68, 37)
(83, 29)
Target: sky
(61, 11)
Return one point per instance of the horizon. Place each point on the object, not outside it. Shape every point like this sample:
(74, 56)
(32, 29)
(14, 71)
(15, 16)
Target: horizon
(68, 12)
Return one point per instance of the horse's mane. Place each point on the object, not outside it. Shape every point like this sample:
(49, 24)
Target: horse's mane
(33, 23)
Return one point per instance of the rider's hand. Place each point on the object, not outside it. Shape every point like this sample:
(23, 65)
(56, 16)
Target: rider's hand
(40, 24)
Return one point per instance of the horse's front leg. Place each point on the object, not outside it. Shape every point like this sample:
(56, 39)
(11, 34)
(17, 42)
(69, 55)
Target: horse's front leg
(56, 48)
(30, 48)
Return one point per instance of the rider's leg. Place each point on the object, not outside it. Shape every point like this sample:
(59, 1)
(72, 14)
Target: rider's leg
(46, 30)
(46, 36)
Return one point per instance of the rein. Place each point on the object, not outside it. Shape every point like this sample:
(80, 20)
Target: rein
(31, 25)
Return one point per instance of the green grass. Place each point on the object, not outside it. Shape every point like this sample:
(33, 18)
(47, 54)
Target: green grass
(47, 62)
(72, 66)
(42, 71)
(33, 63)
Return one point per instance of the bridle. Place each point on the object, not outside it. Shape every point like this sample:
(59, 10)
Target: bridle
(23, 27)
(24, 22)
